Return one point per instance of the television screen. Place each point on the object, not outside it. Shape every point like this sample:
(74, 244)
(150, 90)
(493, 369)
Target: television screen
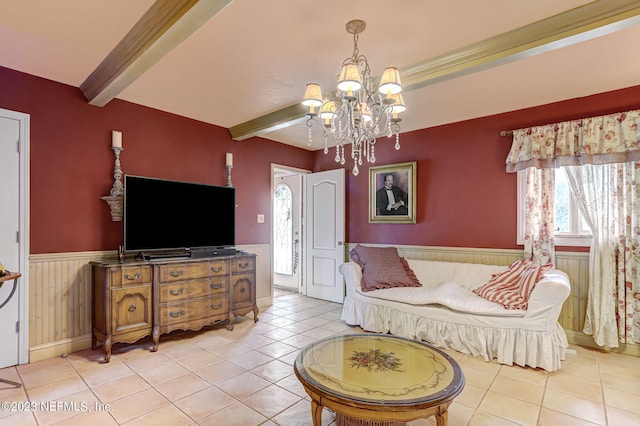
(164, 215)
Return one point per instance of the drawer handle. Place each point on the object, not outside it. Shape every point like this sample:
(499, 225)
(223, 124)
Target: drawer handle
(132, 277)
(176, 292)
(216, 268)
(243, 265)
(242, 289)
(216, 307)
(176, 274)
(176, 314)
(132, 308)
(215, 286)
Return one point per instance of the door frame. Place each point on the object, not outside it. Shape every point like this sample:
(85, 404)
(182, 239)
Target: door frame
(23, 224)
(294, 170)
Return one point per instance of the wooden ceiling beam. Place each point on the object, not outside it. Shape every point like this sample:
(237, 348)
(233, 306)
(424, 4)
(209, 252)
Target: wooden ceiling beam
(164, 26)
(573, 26)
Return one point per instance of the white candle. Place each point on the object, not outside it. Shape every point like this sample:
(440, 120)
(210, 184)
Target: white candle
(116, 139)
(229, 159)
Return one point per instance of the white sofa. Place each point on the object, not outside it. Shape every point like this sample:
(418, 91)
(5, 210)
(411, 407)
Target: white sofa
(445, 313)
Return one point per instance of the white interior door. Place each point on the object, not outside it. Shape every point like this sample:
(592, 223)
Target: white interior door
(323, 220)
(9, 246)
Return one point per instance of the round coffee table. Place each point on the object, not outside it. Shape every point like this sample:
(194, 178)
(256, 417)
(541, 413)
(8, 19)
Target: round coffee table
(372, 379)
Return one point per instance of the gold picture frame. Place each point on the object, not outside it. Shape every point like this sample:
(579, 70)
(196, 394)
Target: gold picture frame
(395, 200)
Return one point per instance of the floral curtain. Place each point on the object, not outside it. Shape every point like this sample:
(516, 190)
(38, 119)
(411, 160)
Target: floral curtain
(539, 220)
(608, 198)
(608, 191)
(613, 138)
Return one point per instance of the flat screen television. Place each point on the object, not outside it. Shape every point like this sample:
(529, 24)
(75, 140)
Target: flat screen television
(170, 215)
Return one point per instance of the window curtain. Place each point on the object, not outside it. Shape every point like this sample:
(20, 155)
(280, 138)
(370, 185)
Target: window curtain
(539, 216)
(608, 198)
(608, 190)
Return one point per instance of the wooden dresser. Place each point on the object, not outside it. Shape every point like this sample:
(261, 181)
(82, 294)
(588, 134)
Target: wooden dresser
(135, 299)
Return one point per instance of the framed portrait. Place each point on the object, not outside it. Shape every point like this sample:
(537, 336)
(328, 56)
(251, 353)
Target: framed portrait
(392, 193)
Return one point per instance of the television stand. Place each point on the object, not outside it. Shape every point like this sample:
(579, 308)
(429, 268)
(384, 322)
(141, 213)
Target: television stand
(165, 254)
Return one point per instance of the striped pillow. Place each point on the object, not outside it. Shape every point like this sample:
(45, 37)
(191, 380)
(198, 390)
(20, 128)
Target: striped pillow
(512, 288)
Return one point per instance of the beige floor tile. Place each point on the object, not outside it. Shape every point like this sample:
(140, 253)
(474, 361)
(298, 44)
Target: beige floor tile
(59, 410)
(578, 372)
(618, 417)
(107, 373)
(255, 341)
(58, 390)
(300, 415)
(93, 418)
(204, 403)
(298, 340)
(481, 418)
(182, 386)
(166, 415)
(273, 371)
(181, 350)
(555, 418)
(89, 359)
(243, 385)
(45, 372)
(479, 364)
(509, 408)
(251, 359)
(293, 385)
(623, 400)
(526, 374)
(271, 400)
(622, 384)
(278, 334)
(120, 388)
(289, 358)
(277, 349)
(147, 360)
(478, 378)
(218, 373)
(518, 389)
(471, 396)
(574, 386)
(13, 396)
(236, 414)
(199, 359)
(318, 333)
(163, 373)
(18, 419)
(227, 350)
(137, 404)
(574, 406)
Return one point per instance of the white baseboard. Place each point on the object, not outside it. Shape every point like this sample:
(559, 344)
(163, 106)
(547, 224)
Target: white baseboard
(60, 347)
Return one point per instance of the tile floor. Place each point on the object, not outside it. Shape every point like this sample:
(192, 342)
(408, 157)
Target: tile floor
(245, 377)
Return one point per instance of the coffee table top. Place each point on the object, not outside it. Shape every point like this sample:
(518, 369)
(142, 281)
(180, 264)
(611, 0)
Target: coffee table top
(379, 369)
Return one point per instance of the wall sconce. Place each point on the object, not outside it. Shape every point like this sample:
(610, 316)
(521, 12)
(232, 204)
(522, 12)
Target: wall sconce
(115, 199)
(229, 164)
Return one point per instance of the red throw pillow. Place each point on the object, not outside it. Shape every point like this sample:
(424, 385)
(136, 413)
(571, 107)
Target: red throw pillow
(512, 288)
(382, 267)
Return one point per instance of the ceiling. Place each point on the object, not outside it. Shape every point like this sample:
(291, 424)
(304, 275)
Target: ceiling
(244, 64)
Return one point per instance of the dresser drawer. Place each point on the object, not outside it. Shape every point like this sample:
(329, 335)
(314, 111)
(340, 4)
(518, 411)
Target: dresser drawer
(191, 289)
(243, 264)
(182, 271)
(131, 275)
(214, 307)
(218, 267)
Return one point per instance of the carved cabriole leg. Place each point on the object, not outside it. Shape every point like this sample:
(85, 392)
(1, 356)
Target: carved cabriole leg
(316, 413)
(255, 314)
(442, 419)
(232, 318)
(107, 348)
(156, 337)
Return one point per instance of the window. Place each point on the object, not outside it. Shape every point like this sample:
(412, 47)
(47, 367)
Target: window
(571, 228)
(283, 226)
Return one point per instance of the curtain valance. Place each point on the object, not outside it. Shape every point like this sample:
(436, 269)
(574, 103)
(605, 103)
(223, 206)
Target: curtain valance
(613, 138)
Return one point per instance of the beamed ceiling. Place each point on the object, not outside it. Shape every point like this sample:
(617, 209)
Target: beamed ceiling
(244, 64)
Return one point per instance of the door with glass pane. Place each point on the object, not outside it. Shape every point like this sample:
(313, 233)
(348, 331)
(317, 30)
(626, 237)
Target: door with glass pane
(286, 231)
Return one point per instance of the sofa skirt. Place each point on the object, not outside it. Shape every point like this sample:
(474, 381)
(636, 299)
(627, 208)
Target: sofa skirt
(508, 340)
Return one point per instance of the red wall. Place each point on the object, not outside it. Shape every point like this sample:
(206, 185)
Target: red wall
(464, 196)
(72, 162)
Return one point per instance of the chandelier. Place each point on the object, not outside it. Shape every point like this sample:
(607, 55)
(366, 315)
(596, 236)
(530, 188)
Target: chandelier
(357, 112)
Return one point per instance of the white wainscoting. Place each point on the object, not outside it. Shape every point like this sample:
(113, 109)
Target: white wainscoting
(60, 298)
